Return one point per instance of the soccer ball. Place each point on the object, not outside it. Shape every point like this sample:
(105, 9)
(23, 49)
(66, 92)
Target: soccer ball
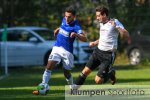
(43, 88)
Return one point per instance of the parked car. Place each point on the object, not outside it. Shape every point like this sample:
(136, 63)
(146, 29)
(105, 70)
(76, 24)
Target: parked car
(139, 47)
(32, 45)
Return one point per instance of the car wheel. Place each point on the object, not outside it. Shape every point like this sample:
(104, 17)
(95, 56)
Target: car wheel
(135, 56)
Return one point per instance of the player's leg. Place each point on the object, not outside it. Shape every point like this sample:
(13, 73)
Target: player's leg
(106, 60)
(112, 75)
(98, 79)
(46, 75)
(53, 59)
(102, 74)
(91, 65)
(68, 76)
(48, 70)
(67, 60)
(112, 71)
(106, 70)
(81, 78)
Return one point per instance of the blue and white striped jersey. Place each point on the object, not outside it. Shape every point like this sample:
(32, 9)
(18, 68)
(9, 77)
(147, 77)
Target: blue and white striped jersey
(63, 37)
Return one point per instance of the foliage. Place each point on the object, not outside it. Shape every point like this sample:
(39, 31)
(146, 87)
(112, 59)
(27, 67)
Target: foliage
(50, 12)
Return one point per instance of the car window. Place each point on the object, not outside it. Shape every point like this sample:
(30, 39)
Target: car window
(146, 30)
(18, 35)
(12, 36)
(23, 35)
(46, 34)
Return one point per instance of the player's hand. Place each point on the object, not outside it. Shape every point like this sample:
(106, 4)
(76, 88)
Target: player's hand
(73, 34)
(91, 44)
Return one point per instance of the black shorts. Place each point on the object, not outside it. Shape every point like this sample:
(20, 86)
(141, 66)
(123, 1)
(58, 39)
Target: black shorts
(101, 59)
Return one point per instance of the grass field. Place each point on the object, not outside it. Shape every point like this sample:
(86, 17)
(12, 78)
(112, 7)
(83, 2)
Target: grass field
(21, 81)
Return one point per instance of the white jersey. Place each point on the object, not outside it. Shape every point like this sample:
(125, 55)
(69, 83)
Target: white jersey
(109, 35)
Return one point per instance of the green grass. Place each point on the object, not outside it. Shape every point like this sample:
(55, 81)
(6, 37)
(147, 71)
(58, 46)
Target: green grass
(21, 81)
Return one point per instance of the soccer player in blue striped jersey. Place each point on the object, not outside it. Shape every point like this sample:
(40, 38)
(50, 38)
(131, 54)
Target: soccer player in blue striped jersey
(63, 48)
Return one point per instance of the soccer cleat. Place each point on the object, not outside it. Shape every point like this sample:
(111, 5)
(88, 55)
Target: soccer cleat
(35, 92)
(42, 89)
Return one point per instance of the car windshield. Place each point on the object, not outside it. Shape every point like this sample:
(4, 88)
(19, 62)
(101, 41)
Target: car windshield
(46, 34)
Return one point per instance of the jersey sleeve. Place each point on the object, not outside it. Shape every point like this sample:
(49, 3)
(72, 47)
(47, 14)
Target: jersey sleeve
(78, 29)
(118, 24)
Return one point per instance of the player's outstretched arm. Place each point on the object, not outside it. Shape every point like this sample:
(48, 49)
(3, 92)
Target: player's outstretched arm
(123, 32)
(56, 31)
(94, 43)
(81, 37)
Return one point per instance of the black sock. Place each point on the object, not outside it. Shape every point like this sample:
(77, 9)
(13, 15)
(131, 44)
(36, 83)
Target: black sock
(80, 80)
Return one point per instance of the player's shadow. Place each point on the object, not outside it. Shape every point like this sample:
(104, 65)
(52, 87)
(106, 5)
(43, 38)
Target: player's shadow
(126, 67)
(126, 81)
(26, 94)
(132, 80)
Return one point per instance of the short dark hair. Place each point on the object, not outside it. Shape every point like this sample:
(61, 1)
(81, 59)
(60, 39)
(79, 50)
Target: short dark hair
(102, 10)
(70, 9)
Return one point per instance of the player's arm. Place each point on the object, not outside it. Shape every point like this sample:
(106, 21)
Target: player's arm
(94, 43)
(81, 37)
(56, 31)
(123, 32)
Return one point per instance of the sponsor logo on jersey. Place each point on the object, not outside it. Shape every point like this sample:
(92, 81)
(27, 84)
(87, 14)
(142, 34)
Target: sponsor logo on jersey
(63, 32)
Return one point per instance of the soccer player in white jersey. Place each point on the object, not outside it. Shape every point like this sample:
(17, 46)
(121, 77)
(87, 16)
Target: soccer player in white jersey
(104, 55)
(63, 48)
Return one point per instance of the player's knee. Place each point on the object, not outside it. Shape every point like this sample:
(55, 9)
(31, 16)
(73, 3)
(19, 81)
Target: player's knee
(98, 80)
(50, 65)
(86, 71)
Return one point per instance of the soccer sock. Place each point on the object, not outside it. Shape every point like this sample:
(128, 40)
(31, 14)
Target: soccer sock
(81, 79)
(46, 76)
(70, 80)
